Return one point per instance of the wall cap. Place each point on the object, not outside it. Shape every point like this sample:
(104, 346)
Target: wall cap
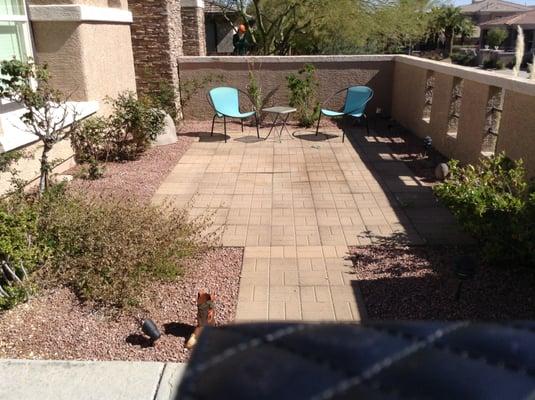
(283, 59)
(79, 13)
(519, 85)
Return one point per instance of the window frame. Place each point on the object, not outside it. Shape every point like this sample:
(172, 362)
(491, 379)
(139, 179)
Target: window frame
(6, 105)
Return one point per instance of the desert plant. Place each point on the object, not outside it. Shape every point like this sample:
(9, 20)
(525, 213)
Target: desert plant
(48, 116)
(496, 36)
(134, 123)
(110, 251)
(190, 87)
(495, 204)
(20, 249)
(303, 95)
(493, 63)
(464, 58)
(254, 90)
(90, 142)
(165, 98)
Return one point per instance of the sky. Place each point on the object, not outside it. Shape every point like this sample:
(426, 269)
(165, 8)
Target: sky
(528, 2)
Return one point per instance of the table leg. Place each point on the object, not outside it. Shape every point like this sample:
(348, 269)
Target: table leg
(283, 127)
(272, 125)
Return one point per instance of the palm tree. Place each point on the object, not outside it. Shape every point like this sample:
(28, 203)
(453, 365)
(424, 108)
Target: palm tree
(451, 22)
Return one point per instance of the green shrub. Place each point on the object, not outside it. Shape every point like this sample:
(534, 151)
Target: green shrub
(495, 204)
(303, 95)
(20, 250)
(496, 36)
(124, 135)
(134, 124)
(468, 59)
(165, 98)
(108, 252)
(493, 63)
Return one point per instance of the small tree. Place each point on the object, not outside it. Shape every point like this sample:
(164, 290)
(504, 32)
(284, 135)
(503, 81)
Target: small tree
(496, 36)
(303, 95)
(450, 21)
(48, 116)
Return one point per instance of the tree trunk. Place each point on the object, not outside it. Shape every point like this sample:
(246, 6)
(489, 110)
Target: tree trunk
(45, 168)
(449, 44)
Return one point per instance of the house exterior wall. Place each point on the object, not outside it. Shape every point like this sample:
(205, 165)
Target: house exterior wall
(88, 60)
(333, 73)
(157, 44)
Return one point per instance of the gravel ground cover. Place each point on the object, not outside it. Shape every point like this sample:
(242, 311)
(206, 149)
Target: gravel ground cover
(419, 283)
(137, 179)
(55, 325)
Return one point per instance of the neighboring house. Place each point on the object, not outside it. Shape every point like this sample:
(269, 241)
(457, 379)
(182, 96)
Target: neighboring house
(87, 45)
(219, 29)
(481, 11)
(525, 20)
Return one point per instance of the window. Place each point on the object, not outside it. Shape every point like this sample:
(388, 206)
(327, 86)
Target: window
(15, 39)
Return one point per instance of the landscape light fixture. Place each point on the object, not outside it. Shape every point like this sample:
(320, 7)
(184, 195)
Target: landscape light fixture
(150, 329)
(464, 268)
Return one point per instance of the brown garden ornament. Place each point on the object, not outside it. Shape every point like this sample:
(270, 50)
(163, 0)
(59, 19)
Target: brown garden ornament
(205, 317)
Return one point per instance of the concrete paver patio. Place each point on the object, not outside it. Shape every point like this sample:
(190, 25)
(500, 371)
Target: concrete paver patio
(296, 206)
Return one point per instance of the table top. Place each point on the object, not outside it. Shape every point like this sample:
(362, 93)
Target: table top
(279, 110)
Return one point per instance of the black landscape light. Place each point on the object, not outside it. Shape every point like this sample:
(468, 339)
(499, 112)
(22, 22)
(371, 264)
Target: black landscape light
(464, 269)
(150, 329)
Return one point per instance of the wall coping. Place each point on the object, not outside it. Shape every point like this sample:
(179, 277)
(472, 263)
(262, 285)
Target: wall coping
(192, 4)
(79, 13)
(284, 59)
(519, 85)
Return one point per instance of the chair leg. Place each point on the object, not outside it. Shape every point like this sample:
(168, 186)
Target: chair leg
(225, 127)
(367, 124)
(257, 129)
(213, 122)
(318, 126)
(241, 125)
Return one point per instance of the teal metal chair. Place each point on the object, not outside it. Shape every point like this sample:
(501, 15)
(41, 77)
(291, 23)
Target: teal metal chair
(357, 97)
(226, 104)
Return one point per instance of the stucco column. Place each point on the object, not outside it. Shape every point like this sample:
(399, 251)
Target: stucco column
(87, 46)
(157, 44)
(193, 28)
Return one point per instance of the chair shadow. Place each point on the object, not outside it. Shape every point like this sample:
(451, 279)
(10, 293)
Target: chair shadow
(205, 136)
(179, 329)
(139, 340)
(312, 137)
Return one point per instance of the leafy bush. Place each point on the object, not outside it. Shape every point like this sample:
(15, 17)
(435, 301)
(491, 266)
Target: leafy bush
(124, 135)
(108, 252)
(165, 98)
(303, 95)
(493, 63)
(496, 205)
(468, 59)
(20, 251)
(496, 36)
(190, 87)
(134, 124)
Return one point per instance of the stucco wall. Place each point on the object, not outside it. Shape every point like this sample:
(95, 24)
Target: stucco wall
(88, 61)
(333, 73)
(515, 134)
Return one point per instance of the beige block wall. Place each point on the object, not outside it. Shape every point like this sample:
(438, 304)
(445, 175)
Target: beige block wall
(517, 131)
(515, 135)
(472, 122)
(333, 73)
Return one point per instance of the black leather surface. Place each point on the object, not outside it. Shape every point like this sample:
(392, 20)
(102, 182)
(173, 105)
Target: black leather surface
(374, 360)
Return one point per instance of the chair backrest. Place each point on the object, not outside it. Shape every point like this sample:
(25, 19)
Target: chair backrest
(225, 100)
(356, 99)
